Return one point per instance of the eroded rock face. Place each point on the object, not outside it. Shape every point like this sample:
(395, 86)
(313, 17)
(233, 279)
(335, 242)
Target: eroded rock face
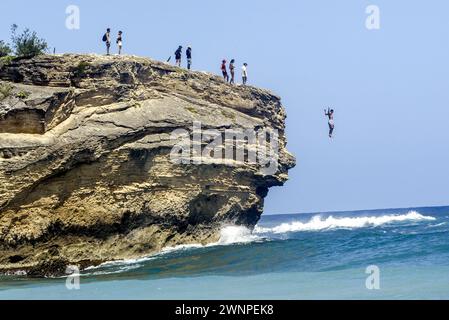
(85, 169)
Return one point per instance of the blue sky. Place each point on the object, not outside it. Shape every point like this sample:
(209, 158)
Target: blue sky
(389, 87)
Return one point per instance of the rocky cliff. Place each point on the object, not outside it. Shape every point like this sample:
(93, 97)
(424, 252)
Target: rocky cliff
(86, 167)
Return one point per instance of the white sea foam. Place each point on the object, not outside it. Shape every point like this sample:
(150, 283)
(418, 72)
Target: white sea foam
(236, 234)
(228, 235)
(132, 263)
(318, 223)
(437, 225)
(121, 266)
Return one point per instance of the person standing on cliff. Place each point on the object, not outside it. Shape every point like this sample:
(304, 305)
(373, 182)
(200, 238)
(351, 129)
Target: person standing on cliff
(107, 40)
(189, 57)
(119, 42)
(244, 73)
(330, 114)
(178, 55)
(224, 71)
(232, 70)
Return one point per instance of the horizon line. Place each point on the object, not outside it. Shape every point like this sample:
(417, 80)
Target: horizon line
(357, 210)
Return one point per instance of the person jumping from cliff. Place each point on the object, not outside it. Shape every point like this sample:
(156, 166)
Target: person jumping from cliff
(232, 70)
(119, 42)
(107, 40)
(189, 57)
(244, 73)
(178, 55)
(224, 71)
(330, 114)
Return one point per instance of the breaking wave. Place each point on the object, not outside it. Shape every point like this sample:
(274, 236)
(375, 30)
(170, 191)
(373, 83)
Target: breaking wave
(318, 223)
(229, 235)
(235, 235)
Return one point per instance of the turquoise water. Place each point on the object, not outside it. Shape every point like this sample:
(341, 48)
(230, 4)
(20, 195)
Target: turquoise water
(307, 256)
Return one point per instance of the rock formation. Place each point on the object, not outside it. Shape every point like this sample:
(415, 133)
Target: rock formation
(86, 174)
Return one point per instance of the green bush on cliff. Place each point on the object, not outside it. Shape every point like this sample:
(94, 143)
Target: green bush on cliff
(27, 44)
(23, 94)
(5, 90)
(6, 60)
(81, 68)
(5, 50)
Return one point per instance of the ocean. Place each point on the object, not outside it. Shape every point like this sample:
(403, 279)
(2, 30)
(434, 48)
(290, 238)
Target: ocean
(374, 254)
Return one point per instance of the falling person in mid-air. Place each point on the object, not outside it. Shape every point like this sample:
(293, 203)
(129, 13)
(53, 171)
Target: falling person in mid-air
(330, 114)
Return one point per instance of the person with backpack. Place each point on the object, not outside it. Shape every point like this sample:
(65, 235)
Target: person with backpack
(224, 71)
(178, 55)
(244, 73)
(119, 42)
(232, 70)
(107, 40)
(189, 57)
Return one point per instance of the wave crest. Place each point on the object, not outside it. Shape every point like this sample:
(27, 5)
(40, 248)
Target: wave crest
(229, 235)
(236, 234)
(318, 223)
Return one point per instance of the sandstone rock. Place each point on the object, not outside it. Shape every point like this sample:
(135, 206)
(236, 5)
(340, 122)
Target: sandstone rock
(85, 168)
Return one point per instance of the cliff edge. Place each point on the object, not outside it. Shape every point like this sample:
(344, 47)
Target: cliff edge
(94, 163)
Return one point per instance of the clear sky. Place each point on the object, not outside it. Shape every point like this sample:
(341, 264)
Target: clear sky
(389, 87)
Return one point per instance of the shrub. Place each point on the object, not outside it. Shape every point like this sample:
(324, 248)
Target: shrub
(4, 61)
(5, 50)
(80, 69)
(5, 90)
(27, 44)
(23, 94)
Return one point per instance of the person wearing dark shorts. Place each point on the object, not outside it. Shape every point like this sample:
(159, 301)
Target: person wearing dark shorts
(189, 57)
(178, 55)
(224, 71)
(107, 40)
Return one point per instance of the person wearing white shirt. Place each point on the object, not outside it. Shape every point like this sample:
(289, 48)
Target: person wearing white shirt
(244, 73)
